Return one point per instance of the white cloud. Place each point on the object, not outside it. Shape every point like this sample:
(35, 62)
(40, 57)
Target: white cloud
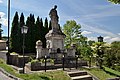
(107, 37)
(1, 1)
(2, 14)
(110, 39)
(86, 32)
(118, 33)
(95, 29)
(103, 14)
(3, 20)
(115, 39)
(92, 38)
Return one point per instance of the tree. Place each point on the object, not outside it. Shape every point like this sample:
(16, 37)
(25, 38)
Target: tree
(0, 32)
(50, 26)
(46, 30)
(46, 26)
(30, 41)
(73, 33)
(38, 29)
(109, 58)
(81, 45)
(42, 33)
(15, 32)
(115, 48)
(99, 49)
(115, 1)
(22, 23)
(86, 50)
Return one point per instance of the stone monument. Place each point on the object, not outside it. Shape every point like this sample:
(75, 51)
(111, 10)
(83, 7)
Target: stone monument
(55, 40)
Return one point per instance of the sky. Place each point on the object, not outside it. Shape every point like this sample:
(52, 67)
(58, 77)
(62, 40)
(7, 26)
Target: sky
(96, 17)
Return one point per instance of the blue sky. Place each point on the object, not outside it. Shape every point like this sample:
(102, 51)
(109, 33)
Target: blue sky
(96, 17)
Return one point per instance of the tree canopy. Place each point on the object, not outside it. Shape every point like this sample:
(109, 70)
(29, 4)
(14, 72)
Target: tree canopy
(0, 31)
(15, 32)
(115, 1)
(72, 30)
(36, 31)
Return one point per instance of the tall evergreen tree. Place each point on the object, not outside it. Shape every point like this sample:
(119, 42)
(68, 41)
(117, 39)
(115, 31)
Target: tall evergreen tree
(46, 26)
(30, 38)
(0, 31)
(33, 34)
(22, 23)
(50, 26)
(15, 32)
(42, 33)
(46, 30)
(38, 29)
(27, 39)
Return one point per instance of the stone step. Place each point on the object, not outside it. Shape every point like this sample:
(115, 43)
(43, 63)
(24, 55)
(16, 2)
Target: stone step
(77, 73)
(84, 77)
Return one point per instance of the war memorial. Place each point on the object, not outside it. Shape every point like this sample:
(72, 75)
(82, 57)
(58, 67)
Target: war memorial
(55, 47)
(55, 41)
(55, 56)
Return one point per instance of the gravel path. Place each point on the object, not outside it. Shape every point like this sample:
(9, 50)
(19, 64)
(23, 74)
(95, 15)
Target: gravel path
(4, 77)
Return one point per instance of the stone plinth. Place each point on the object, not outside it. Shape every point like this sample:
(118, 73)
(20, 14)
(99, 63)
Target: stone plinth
(55, 39)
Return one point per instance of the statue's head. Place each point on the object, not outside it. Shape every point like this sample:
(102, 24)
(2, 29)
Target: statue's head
(55, 6)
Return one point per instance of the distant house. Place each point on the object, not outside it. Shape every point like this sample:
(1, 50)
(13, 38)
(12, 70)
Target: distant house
(2, 45)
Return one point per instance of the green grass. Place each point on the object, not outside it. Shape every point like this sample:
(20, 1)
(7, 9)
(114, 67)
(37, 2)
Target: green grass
(99, 73)
(51, 75)
(111, 71)
(57, 75)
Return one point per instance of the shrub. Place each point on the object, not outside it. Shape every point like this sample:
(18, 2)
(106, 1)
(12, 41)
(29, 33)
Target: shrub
(117, 68)
(13, 53)
(1, 61)
(34, 61)
(111, 71)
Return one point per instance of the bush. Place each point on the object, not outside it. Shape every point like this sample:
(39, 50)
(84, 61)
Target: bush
(34, 61)
(48, 60)
(1, 61)
(111, 71)
(117, 68)
(13, 53)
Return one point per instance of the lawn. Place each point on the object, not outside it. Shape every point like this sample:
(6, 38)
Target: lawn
(111, 71)
(99, 73)
(51, 75)
(56, 75)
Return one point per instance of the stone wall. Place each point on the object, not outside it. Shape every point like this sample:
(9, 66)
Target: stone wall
(2, 45)
(16, 60)
(42, 52)
(35, 66)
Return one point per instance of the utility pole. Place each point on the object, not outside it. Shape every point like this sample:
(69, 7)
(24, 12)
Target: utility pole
(8, 24)
(0, 30)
